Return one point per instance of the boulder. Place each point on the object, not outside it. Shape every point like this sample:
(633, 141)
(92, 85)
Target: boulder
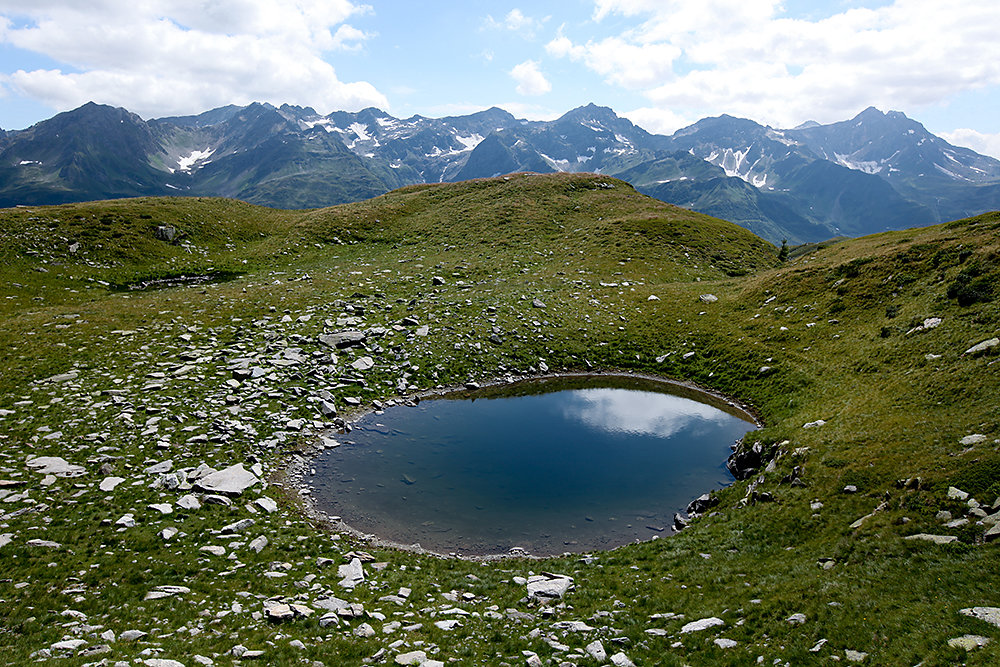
(546, 587)
(351, 574)
(54, 465)
(983, 347)
(702, 624)
(989, 615)
(342, 339)
(231, 481)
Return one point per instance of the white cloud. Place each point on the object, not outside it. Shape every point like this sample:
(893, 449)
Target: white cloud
(530, 80)
(517, 21)
(657, 121)
(750, 58)
(987, 144)
(186, 56)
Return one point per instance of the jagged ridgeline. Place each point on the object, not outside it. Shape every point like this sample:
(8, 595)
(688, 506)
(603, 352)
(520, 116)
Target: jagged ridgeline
(168, 365)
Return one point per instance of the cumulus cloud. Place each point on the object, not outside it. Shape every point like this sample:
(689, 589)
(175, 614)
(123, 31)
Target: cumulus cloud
(158, 58)
(530, 80)
(987, 144)
(750, 58)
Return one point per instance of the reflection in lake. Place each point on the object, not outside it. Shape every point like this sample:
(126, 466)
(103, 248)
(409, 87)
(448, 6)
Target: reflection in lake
(574, 465)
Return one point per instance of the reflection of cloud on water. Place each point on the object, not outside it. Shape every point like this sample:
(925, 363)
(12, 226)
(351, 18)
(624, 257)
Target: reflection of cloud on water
(639, 412)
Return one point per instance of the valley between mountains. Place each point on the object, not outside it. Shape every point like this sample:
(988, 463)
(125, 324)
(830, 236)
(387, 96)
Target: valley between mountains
(169, 364)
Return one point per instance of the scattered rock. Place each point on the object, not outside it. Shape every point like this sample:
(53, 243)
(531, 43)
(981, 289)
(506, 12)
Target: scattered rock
(973, 439)
(54, 465)
(990, 615)
(855, 656)
(351, 574)
(702, 624)
(547, 587)
(815, 424)
(108, 484)
(231, 481)
(936, 539)
(708, 298)
(968, 642)
(724, 643)
(595, 650)
(621, 660)
(985, 346)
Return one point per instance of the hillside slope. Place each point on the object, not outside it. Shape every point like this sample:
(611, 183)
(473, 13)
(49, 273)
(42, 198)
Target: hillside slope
(881, 345)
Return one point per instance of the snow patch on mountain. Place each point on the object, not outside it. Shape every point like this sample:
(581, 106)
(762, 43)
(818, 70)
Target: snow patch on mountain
(360, 131)
(867, 166)
(470, 142)
(951, 174)
(558, 165)
(186, 163)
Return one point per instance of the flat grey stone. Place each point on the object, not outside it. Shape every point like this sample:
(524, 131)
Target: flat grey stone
(702, 624)
(231, 481)
(267, 504)
(342, 339)
(986, 345)
(549, 586)
(990, 615)
(54, 465)
(936, 539)
(969, 642)
(109, 483)
(351, 574)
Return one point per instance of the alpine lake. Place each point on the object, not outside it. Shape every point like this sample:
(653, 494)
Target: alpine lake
(547, 466)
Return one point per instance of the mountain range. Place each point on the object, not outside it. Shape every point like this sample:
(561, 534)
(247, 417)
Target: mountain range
(875, 172)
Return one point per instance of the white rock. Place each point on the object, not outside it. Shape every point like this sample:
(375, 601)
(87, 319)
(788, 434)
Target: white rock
(448, 625)
(855, 656)
(132, 635)
(957, 494)
(162, 508)
(214, 549)
(54, 465)
(168, 533)
(351, 574)
(189, 502)
(364, 630)
(979, 348)
(973, 439)
(621, 660)
(6, 539)
(411, 658)
(127, 521)
(363, 364)
(990, 615)
(724, 643)
(936, 539)
(162, 662)
(258, 543)
(595, 650)
(231, 481)
(549, 586)
(267, 504)
(68, 645)
(702, 624)
(968, 642)
(815, 424)
(109, 483)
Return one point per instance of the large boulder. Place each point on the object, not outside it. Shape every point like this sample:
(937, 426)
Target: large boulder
(343, 339)
(231, 481)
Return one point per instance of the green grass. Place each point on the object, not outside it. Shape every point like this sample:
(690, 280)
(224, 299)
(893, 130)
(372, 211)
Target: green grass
(833, 323)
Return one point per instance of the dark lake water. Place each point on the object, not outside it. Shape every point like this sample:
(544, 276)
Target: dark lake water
(569, 464)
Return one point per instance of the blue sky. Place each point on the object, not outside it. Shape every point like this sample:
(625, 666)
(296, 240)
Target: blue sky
(662, 63)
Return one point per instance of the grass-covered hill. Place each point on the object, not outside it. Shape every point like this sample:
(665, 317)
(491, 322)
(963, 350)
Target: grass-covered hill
(877, 343)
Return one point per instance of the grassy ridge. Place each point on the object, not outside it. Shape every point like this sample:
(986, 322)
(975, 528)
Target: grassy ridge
(834, 328)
